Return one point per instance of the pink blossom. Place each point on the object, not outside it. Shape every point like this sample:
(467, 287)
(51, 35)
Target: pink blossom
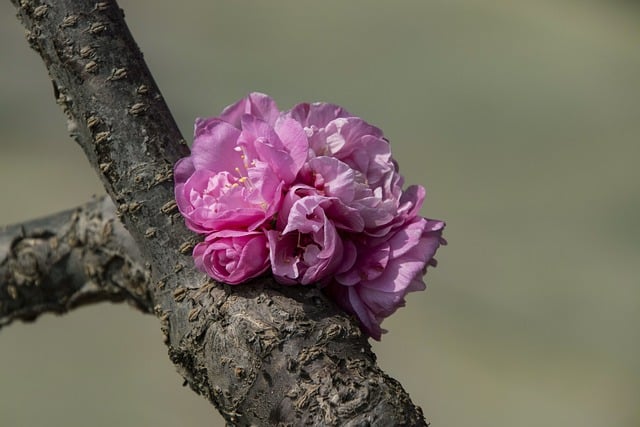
(312, 193)
(237, 170)
(232, 256)
(386, 270)
(334, 133)
(310, 248)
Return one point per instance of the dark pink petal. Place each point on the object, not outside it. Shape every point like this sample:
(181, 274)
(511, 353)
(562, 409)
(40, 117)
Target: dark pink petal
(183, 169)
(233, 256)
(327, 257)
(371, 264)
(203, 125)
(349, 257)
(368, 320)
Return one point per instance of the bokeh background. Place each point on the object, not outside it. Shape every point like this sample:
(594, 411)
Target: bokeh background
(521, 118)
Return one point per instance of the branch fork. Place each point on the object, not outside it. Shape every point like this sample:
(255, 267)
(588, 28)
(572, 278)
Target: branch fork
(261, 353)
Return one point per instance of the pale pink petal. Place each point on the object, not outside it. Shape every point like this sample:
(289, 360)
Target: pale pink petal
(215, 149)
(333, 177)
(256, 104)
(294, 140)
(318, 114)
(284, 266)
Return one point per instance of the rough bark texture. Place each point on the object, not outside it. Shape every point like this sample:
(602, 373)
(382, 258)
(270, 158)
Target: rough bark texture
(263, 354)
(67, 260)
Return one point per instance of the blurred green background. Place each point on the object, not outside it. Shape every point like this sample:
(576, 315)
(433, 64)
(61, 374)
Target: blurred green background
(522, 119)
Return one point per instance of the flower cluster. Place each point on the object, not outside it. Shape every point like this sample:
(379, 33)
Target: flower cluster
(312, 194)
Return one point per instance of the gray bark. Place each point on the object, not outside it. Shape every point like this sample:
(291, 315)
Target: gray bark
(73, 258)
(262, 353)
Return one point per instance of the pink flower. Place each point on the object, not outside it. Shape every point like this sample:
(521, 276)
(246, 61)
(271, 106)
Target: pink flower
(386, 270)
(237, 170)
(336, 134)
(333, 132)
(312, 193)
(233, 256)
(311, 249)
(309, 244)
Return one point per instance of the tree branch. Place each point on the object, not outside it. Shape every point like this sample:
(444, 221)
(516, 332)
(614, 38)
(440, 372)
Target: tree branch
(261, 353)
(73, 258)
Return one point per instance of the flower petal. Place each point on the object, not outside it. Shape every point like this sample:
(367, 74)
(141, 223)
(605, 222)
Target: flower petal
(215, 149)
(256, 104)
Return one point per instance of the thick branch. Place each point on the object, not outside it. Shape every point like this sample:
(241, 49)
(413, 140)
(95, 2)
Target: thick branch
(71, 259)
(262, 353)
